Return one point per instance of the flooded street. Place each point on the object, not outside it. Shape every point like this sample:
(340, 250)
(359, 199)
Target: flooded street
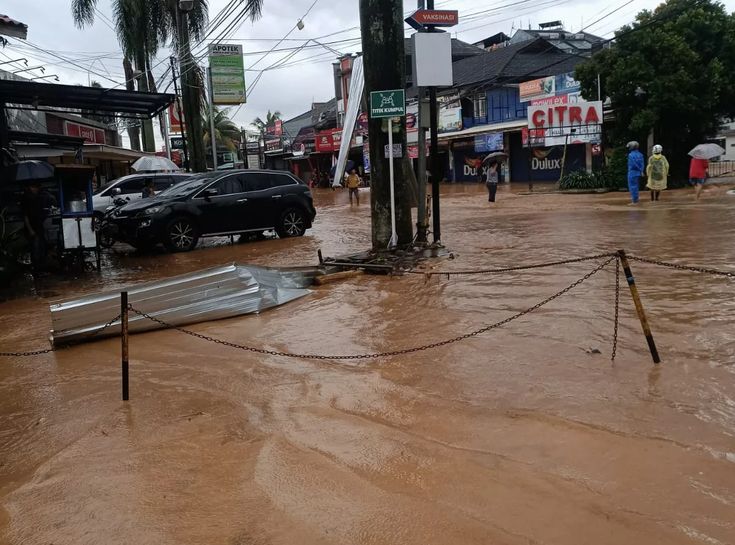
(524, 434)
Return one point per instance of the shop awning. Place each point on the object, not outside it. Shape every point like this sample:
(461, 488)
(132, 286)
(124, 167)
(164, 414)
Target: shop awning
(37, 145)
(33, 95)
(104, 152)
(509, 125)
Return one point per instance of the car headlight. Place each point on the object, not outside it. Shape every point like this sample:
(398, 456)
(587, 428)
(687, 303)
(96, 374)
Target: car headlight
(154, 210)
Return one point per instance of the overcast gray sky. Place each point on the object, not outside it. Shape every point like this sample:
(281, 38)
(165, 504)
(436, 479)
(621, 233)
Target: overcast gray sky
(94, 54)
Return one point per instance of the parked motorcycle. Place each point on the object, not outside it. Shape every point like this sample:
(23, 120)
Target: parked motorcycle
(105, 227)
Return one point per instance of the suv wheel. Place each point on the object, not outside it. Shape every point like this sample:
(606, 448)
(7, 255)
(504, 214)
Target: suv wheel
(181, 235)
(292, 224)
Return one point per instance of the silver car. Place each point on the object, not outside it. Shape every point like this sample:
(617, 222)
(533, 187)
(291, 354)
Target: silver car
(131, 187)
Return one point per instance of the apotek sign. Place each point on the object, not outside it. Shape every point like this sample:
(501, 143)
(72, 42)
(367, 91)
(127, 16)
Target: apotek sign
(228, 74)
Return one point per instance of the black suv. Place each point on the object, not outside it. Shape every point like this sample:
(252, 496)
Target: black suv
(218, 203)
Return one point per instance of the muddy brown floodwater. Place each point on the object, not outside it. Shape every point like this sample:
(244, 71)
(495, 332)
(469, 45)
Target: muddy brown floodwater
(521, 435)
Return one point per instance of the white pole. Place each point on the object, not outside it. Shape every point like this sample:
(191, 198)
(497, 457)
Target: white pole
(394, 236)
(599, 92)
(212, 140)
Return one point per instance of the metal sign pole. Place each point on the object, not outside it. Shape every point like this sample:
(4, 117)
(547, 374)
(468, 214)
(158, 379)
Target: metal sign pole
(212, 139)
(166, 137)
(394, 236)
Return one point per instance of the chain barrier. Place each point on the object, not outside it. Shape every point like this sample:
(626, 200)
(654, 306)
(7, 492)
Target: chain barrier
(616, 320)
(53, 349)
(376, 355)
(609, 257)
(513, 269)
(704, 270)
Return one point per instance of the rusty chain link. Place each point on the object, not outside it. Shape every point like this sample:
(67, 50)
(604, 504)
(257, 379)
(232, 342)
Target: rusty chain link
(616, 320)
(53, 349)
(705, 270)
(380, 354)
(513, 269)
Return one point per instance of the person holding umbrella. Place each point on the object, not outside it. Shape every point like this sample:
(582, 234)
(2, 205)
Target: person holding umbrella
(492, 163)
(699, 165)
(657, 172)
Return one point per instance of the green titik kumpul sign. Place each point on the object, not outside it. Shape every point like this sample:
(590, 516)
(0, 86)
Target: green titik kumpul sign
(228, 74)
(391, 103)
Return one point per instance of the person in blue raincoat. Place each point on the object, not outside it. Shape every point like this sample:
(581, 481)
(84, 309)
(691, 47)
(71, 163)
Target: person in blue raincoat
(636, 168)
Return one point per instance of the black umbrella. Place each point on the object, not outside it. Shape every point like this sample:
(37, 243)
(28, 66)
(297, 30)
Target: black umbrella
(28, 171)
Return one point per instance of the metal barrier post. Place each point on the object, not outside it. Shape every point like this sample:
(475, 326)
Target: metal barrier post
(124, 337)
(639, 306)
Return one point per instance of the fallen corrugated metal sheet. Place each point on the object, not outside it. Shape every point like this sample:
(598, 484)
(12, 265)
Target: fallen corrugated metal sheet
(210, 294)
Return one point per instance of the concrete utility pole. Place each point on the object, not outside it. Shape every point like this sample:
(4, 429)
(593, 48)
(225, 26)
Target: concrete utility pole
(421, 225)
(191, 96)
(381, 26)
(435, 164)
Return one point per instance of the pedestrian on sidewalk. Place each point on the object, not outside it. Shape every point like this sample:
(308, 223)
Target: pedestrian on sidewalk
(491, 180)
(657, 172)
(636, 166)
(698, 172)
(353, 184)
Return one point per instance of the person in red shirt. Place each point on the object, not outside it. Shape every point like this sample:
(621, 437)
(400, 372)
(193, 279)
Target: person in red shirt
(698, 170)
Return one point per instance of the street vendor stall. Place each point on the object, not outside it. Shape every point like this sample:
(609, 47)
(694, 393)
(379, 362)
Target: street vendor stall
(77, 237)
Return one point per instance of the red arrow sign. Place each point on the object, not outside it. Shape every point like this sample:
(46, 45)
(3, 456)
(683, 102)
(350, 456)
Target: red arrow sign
(433, 17)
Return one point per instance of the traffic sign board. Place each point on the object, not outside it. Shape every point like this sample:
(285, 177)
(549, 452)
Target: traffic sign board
(390, 103)
(433, 17)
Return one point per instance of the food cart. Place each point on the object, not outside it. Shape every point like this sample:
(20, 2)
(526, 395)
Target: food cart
(77, 237)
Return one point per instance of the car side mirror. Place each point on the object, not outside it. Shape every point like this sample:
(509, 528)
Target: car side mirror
(117, 191)
(210, 193)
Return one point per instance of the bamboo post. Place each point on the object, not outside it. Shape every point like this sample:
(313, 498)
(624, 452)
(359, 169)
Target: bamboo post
(124, 337)
(639, 306)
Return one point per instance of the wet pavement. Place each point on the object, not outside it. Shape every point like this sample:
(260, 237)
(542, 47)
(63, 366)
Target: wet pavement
(521, 435)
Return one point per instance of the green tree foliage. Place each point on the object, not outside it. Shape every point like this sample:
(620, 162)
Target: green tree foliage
(270, 118)
(672, 71)
(142, 27)
(226, 133)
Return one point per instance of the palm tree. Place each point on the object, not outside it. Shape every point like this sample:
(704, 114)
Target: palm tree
(142, 26)
(270, 119)
(226, 132)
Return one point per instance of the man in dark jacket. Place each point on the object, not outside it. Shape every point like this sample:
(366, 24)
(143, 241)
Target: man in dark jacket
(35, 205)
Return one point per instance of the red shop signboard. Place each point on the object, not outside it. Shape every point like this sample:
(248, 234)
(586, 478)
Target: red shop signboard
(90, 134)
(328, 141)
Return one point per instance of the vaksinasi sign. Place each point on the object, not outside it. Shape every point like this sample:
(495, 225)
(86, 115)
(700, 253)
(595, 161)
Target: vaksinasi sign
(228, 74)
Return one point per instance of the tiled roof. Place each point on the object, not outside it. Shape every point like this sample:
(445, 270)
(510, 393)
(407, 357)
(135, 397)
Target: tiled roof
(309, 118)
(11, 27)
(513, 64)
